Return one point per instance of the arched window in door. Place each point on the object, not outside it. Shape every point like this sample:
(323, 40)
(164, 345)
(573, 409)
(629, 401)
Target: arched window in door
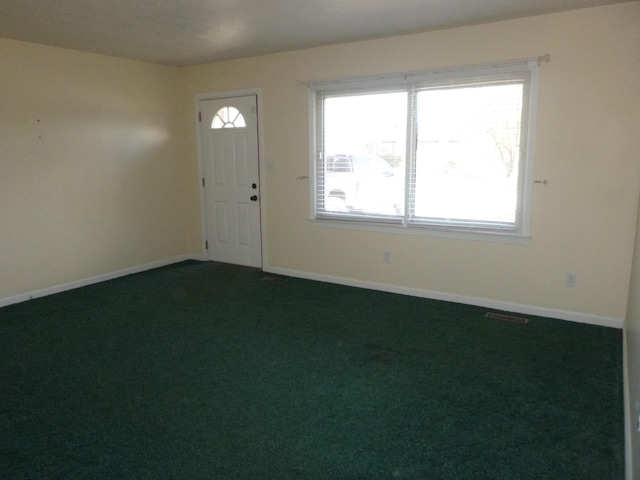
(228, 117)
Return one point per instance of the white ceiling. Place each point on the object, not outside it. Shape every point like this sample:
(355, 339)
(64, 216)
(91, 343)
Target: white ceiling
(188, 32)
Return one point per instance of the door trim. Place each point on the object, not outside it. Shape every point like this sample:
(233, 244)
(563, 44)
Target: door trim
(261, 165)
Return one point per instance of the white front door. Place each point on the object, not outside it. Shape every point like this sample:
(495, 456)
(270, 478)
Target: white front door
(229, 136)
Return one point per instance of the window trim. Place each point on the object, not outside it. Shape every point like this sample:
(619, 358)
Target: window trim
(380, 83)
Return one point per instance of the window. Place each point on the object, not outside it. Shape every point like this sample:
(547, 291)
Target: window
(228, 117)
(438, 151)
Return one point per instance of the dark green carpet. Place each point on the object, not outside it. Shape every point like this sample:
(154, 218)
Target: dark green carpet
(207, 371)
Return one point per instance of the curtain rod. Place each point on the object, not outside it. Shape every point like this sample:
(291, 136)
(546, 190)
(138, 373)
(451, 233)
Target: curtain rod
(539, 59)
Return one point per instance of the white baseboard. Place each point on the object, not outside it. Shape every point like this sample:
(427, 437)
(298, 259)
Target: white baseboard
(22, 297)
(480, 302)
(629, 424)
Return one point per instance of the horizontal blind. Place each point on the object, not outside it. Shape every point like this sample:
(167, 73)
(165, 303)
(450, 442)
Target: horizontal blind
(464, 169)
(360, 151)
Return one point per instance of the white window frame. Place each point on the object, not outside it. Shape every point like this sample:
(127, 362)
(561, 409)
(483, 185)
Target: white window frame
(519, 233)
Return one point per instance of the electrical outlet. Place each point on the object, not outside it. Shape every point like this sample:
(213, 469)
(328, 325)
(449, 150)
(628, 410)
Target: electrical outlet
(572, 279)
(386, 257)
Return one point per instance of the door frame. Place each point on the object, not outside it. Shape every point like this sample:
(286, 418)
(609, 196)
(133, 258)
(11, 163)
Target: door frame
(221, 95)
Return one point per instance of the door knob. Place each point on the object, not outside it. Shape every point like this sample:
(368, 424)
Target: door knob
(254, 198)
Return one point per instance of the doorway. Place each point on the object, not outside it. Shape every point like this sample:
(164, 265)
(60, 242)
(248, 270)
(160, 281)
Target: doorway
(231, 179)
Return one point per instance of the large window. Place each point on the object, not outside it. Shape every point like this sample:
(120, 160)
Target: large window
(438, 151)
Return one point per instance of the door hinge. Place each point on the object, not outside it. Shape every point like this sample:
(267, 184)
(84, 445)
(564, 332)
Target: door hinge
(203, 181)
(199, 116)
(206, 244)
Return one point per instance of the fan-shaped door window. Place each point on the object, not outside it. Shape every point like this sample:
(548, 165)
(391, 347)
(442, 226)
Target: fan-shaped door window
(228, 117)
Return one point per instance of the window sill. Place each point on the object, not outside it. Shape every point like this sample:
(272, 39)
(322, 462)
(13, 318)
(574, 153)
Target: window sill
(422, 230)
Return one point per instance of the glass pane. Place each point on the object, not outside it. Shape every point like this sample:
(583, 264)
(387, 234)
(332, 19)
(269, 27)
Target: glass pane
(217, 122)
(364, 151)
(239, 121)
(468, 151)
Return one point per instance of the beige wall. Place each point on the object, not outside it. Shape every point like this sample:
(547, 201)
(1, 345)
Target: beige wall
(587, 148)
(91, 166)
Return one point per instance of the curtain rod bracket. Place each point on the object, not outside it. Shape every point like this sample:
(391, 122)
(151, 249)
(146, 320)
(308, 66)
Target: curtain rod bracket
(544, 58)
